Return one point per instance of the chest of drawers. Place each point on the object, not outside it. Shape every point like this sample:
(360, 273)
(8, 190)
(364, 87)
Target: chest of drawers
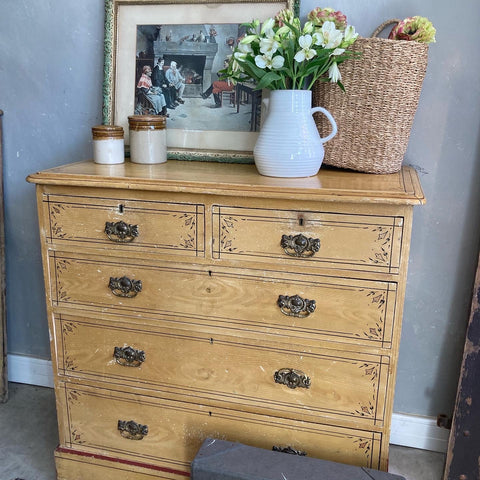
(194, 300)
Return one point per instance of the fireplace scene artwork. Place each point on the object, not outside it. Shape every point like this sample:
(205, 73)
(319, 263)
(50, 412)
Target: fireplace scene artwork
(177, 75)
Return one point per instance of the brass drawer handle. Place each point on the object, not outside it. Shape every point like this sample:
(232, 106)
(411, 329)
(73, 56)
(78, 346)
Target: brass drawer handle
(292, 378)
(124, 287)
(296, 306)
(128, 356)
(290, 450)
(299, 245)
(121, 232)
(132, 430)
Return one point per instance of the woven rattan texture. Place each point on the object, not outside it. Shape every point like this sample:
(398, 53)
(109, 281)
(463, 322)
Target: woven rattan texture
(375, 114)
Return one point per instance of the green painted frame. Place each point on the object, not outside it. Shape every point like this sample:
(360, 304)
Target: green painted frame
(110, 72)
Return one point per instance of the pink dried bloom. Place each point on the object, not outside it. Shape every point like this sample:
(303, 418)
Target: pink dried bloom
(318, 16)
(418, 29)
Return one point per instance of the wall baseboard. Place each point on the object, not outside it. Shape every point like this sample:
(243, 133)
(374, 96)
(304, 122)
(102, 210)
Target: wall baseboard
(31, 370)
(417, 431)
(407, 430)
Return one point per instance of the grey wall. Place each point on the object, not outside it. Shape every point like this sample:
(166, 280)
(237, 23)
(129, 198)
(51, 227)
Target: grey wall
(50, 90)
(51, 70)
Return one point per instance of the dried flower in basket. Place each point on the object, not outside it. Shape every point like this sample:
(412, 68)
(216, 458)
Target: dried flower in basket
(418, 29)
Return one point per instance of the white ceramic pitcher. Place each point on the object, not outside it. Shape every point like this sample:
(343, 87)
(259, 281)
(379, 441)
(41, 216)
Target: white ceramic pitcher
(289, 144)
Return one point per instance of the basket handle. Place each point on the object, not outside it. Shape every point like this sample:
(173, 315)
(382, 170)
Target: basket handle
(383, 25)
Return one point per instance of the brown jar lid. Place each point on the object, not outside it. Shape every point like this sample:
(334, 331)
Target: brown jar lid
(102, 132)
(147, 122)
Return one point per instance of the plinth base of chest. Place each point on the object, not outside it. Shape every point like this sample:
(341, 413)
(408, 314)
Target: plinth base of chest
(75, 465)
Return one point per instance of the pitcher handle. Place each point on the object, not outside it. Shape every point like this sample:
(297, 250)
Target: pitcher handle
(330, 119)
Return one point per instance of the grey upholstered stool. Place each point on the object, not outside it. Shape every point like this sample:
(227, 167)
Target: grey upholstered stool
(220, 460)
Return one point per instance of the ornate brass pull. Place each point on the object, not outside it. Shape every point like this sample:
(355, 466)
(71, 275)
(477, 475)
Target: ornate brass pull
(292, 378)
(132, 430)
(121, 232)
(299, 245)
(290, 450)
(124, 287)
(296, 306)
(128, 356)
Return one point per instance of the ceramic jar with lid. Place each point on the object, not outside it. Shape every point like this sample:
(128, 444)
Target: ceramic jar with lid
(108, 144)
(148, 139)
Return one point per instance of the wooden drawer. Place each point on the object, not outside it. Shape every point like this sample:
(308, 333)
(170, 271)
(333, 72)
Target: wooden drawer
(106, 223)
(360, 312)
(221, 369)
(175, 430)
(370, 243)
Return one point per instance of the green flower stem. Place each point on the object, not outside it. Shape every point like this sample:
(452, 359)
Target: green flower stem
(321, 72)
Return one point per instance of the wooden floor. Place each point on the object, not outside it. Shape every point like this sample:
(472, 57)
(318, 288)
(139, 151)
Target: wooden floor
(28, 423)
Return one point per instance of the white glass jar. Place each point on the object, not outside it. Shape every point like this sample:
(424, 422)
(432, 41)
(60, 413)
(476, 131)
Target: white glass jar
(108, 144)
(148, 138)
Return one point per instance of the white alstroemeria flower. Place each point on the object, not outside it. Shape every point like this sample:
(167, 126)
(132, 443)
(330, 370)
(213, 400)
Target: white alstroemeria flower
(243, 49)
(306, 53)
(350, 34)
(255, 27)
(317, 38)
(268, 45)
(337, 51)
(328, 36)
(284, 30)
(267, 27)
(267, 61)
(334, 73)
(308, 28)
(248, 39)
(236, 67)
(239, 56)
(277, 62)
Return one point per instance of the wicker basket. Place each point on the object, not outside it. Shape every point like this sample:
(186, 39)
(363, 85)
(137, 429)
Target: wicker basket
(375, 114)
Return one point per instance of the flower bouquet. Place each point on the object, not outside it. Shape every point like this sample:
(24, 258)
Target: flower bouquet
(280, 54)
(287, 58)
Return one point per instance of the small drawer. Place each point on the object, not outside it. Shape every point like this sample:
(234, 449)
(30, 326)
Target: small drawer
(325, 383)
(368, 243)
(304, 308)
(124, 225)
(169, 433)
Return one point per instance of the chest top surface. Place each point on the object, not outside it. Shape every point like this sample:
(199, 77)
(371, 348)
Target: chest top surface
(239, 179)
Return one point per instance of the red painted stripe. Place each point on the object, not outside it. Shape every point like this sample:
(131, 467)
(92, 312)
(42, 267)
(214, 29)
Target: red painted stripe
(121, 460)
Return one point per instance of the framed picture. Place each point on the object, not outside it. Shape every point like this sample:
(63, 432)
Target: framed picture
(163, 57)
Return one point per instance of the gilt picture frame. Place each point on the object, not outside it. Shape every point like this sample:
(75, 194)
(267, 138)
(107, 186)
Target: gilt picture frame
(141, 33)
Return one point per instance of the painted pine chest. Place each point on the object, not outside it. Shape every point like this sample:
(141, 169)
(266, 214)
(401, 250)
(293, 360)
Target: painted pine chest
(190, 300)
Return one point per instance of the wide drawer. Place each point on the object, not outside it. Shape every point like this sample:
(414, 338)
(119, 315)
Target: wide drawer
(123, 225)
(169, 433)
(259, 377)
(370, 243)
(279, 304)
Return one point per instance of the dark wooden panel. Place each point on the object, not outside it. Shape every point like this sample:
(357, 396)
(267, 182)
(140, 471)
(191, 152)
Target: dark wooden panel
(463, 455)
(3, 320)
